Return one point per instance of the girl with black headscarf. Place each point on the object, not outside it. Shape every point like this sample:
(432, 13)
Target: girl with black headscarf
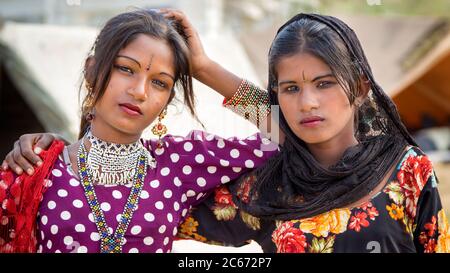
(348, 178)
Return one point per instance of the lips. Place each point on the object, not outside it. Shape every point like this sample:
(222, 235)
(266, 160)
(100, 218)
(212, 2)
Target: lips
(131, 108)
(312, 119)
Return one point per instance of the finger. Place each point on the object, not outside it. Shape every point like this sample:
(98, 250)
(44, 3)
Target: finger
(167, 13)
(174, 14)
(182, 21)
(26, 147)
(12, 165)
(5, 166)
(21, 161)
(170, 16)
(163, 10)
(43, 143)
(180, 16)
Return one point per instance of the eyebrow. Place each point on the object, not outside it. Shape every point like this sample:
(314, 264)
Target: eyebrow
(315, 79)
(167, 74)
(323, 76)
(162, 73)
(123, 56)
(286, 82)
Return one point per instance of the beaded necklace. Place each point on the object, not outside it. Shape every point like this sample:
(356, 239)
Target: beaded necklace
(111, 243)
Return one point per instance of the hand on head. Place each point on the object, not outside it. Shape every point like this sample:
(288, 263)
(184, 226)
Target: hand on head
(199, 58)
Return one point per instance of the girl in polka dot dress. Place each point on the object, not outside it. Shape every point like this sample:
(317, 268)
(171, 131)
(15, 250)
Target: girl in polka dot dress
(61, 206)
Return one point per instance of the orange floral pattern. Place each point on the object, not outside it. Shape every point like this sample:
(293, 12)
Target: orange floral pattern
(396, 212)
(443, 241)
(334, 221)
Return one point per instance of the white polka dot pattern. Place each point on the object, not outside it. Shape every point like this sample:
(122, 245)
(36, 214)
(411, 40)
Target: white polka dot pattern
(187, 169)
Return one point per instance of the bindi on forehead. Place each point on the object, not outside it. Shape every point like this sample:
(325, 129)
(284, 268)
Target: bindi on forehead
(317, 77)
(303, 76)
(150, 63)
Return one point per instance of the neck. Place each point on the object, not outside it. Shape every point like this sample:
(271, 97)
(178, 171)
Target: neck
(330, 152)
(109, 134)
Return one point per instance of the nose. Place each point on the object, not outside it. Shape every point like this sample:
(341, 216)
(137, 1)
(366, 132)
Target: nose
(307, 100)
(139, 90)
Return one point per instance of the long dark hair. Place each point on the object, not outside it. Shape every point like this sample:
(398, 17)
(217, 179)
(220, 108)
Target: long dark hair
(117, 33)
(293, 184)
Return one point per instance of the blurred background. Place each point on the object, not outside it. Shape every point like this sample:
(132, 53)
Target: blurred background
(43, 45)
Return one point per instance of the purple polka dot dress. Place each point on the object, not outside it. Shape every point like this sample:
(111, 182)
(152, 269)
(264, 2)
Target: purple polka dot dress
(187, 169)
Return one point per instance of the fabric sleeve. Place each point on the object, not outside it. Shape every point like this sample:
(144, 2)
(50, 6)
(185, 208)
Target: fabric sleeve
(431, 229)
(201, 161)
(219, 221)
(432, 233)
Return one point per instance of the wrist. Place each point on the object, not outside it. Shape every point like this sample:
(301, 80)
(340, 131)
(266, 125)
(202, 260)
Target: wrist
(204, 70)
(61, 138)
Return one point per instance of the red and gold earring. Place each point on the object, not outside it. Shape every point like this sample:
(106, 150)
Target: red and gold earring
(160, 129)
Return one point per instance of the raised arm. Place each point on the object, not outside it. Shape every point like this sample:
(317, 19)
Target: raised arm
(241, 96)
(204, 69)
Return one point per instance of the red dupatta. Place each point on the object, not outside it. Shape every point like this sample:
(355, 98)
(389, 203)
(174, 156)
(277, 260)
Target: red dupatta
(20, 198)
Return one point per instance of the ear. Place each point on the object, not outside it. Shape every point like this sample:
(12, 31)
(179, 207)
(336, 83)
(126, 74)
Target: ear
(365, 88)
(89, 63)
(88, 70)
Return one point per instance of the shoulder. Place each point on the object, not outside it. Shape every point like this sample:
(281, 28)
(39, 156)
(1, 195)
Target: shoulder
(201, 141)
(170, 143)
(414, 167)
(414, 175)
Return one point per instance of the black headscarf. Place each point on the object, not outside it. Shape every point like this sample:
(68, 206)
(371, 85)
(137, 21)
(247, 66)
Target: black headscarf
(293, 185)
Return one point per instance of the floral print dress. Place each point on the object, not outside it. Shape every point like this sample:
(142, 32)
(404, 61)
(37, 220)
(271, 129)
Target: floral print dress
(405, 216)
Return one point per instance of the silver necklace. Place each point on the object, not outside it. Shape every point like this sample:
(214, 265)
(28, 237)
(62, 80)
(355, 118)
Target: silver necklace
(112, 163)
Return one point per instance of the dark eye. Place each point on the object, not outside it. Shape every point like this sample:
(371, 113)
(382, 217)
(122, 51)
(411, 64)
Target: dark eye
(325, 84)
(124, 69)
(159, 83)
(292, 89)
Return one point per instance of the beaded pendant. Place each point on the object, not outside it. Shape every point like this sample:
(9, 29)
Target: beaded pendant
(111, 243)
